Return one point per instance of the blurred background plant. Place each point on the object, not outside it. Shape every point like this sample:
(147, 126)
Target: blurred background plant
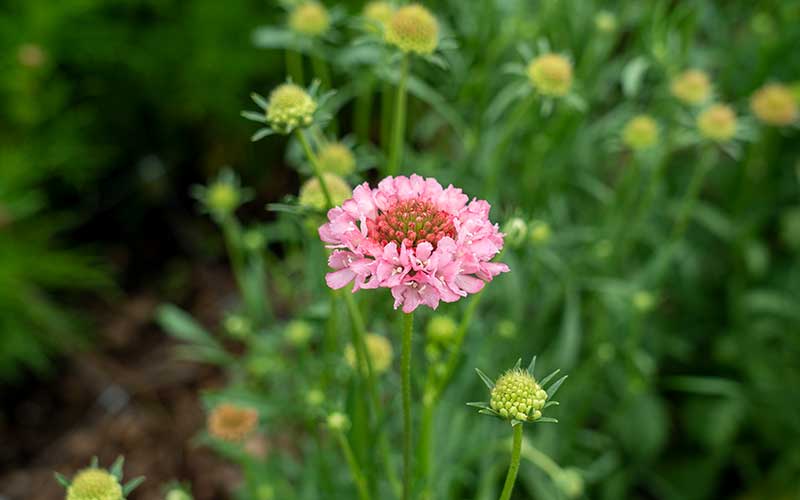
(657, 264)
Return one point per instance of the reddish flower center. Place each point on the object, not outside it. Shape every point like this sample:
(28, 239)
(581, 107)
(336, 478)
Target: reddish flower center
(411, 222)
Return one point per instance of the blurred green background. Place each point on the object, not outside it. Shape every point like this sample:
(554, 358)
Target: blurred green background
(684, 354)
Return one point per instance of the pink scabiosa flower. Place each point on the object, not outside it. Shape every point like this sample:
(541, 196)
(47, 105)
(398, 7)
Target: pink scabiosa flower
(424, 242)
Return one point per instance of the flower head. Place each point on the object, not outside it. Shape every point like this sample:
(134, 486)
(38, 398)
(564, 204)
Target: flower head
(336, 158)
(551, 74)
(774, 104)
(424, 242)
(338, 422)
(379, 350)
(232, 423)
(641, 132)
(94, 484)
(379, 13)
(691, 87)
(717, 123)
(413, 28)
(442, 329)
(310, 19)
(311, 194)
(290, 107)
(517, 395)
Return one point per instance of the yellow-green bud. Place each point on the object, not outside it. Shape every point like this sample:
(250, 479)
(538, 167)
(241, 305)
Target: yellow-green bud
(691, 87)
(605, 22)
(310, 19)
(222, 198)
(338, 422)
(315, 397)
(516, 231)
(94, 484)
(717, 123)
(311, 194)
(379, 12)
(507, 329)
(540, 232)
(336, 158)
(641, 132)
(442, 329)
(516, 395)
(177, 494)
(290, 107)
(298, 332)
(237, 326)
(265, 492)
(413, 28)
(379, 350)
(551, 74)
(643, 301)
(774, 104)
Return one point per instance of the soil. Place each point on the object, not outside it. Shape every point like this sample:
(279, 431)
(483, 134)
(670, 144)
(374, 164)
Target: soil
(128, 396)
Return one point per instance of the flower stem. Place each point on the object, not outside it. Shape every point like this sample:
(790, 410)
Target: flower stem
(689, 200)
(405, 367)
(511, 477)
(355, 469)
(398, 130)
(312, 158)
(294, 66)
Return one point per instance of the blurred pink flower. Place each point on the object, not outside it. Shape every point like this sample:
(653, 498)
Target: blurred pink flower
(424, 242)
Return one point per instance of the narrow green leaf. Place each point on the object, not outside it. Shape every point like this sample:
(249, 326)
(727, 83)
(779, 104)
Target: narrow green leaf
(554, 388)
(63, 481)
(116, 468)
(261, 133)
(548, 378)
(262, 103)
(551, 403)
(182, 325)
(132, 485)
(253, 116)
(479, 404)
(94, 463)
(486, 380)
(547, 420)
(518, 364)
(532, 366)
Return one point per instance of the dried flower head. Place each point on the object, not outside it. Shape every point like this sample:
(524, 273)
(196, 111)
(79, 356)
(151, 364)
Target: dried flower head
(232, 423)
(775, 104)
(94, 484)
(693, 86)
(336, 158)
(641, 132)
(717, 122)
(517, 395)
(379, 350)
(379, 13)
(310, 19)
(290, 107)
(551, 74)
(31, 55)
(311, 194)
(424, 242)
(413, 28)
(442, 329)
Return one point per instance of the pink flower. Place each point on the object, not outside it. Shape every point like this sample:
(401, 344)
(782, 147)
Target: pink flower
(424, 242)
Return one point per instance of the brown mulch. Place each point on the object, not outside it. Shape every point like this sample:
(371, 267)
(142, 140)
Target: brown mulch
(130, 397)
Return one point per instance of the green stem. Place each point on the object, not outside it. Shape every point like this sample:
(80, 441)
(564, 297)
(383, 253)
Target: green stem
(232, 233)
(386, 115)
(321, 71)
(363, 112)
(294, 66)
(398, 130)
(511, 477)
(689, 200)
(405, 368)
(312, 158)
(355, 469)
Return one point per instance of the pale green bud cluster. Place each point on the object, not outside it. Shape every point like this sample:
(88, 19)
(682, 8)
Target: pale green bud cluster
(298, 332)
(516, 395)
(222, 198)
(540, 232)
(551, 74)
(379, 350)
(643, 301)
(338, 421)
(336, 158)
(94, 484)
(379, 12)
(237, 326)
(516, 231)
(311, 194)
(309, 18)
(290, 107)
(413, 28)
(442, 329)
(605, 22)
(641, 132)
(177, 494)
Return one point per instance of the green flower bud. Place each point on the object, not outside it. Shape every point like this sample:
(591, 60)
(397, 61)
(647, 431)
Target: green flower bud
(315, 397)
(177, 494)
(336, 158)
(222, 198)
(516, 231)
(605, 22)
(516, 395)
(379, 13)
(298, 332)
(94, 484)
(311, 194)
(643, 301)
(442, 329)
(717, 123)
(540, 232)
(237, 326)
(691, 87)
(413, 29)
(310, 19)
(551, 74)
(254, 240)
(379, 350)
(290, 107)
(641, 132)
(338, 422)
(774, 104)
(507, 329)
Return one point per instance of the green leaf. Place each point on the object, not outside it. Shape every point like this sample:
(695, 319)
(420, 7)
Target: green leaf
(261, 133)
(116, 468)
(480, 404)
(532, 366)
(548, 378)
(262, 103)
(253, 116)
(633, 75)
(518, 364)
(551, 403)
(132, 485)
(547, 420)
(182, 325)
(554, 388)
(63, 481)
(486, 380)
(273, 38)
